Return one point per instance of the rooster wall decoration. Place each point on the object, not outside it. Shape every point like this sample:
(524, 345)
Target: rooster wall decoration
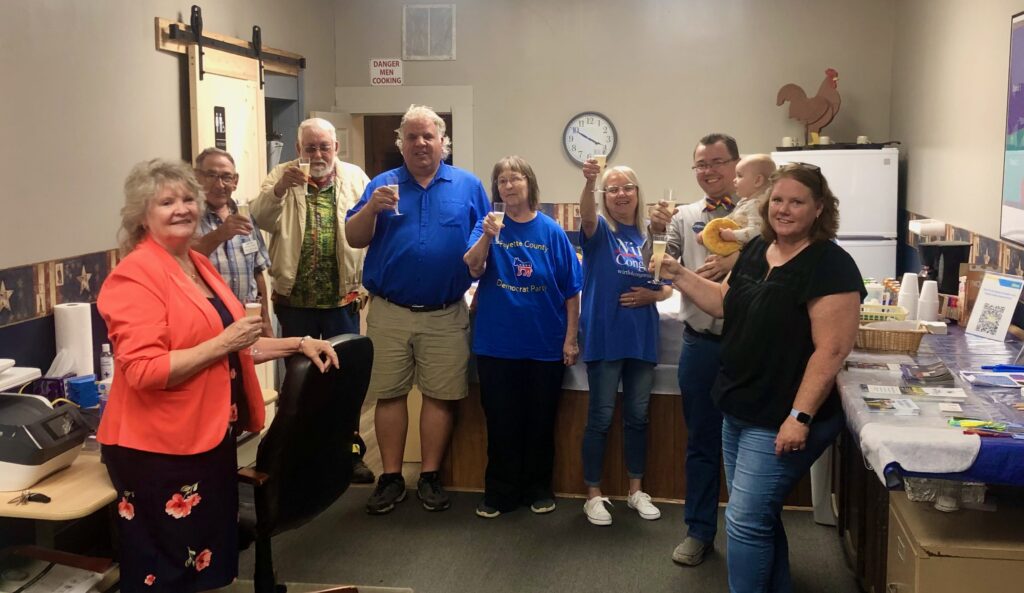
(814, 112)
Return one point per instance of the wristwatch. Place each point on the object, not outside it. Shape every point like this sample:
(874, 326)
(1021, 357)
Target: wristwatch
(801, 417)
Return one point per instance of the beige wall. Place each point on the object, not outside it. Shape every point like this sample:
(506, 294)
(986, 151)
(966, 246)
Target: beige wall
(949, 107)
(86, 95)
(664, 71)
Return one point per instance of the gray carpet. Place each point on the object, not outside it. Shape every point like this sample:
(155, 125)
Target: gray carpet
(457, 552)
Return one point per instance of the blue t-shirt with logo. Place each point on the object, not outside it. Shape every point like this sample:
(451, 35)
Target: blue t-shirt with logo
(612, 264)
(531, 272)
(416, 258)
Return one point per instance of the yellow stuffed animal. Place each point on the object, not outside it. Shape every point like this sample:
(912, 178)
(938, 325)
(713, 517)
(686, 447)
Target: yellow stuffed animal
(714, 242)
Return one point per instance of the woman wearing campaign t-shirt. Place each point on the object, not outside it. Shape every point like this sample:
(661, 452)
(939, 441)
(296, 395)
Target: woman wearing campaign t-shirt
(620, 331)
(527, 317)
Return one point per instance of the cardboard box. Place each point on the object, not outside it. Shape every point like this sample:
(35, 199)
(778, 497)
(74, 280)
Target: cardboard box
(935, 552)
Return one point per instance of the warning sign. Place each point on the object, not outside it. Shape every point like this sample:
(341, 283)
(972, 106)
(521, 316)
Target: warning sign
(385, 72)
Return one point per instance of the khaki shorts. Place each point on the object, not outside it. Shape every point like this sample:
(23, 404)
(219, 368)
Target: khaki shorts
(430, 349)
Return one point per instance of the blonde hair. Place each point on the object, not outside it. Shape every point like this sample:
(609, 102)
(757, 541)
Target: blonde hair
(638, 215)
(423, 112)
(144, 182)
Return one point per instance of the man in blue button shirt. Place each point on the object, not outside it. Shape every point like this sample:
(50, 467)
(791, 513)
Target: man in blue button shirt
(415, 221)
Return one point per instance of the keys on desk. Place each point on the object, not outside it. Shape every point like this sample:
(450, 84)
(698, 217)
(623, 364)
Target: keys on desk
(29, 496)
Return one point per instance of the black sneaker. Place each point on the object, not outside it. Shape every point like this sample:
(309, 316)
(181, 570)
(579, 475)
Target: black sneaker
(390, 490)
(361, 474)
(430, 492)
(485, 511)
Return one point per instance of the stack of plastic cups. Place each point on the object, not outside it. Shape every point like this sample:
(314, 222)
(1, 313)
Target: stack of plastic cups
(928, 303)
(908, 295)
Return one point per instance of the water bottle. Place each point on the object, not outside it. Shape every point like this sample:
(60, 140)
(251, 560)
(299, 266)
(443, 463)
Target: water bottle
(106, 363)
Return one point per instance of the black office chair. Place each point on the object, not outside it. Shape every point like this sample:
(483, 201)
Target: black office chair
(304, 461)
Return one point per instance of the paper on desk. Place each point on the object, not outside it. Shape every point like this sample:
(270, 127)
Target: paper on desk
(46, 577)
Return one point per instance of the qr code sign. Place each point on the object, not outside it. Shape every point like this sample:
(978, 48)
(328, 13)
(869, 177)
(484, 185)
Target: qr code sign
(988, 321)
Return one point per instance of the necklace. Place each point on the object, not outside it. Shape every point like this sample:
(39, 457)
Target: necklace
(189, 269)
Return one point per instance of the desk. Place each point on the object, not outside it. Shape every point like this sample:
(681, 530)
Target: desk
(75, 491)
(878, 450)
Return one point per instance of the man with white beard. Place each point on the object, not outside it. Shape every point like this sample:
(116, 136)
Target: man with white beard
(317, 276)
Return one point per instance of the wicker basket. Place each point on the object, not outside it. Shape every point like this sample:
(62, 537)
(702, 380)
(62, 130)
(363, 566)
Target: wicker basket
(869, 313)
(889, 340)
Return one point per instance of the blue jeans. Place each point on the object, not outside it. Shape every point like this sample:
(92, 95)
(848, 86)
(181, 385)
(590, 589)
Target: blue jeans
(317, 323)
(698, 368)
(637, 379)
(759, 481)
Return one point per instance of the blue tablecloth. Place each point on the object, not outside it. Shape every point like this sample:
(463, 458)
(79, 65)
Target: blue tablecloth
(990, 460)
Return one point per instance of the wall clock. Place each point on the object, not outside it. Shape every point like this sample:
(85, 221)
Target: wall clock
(587, 134)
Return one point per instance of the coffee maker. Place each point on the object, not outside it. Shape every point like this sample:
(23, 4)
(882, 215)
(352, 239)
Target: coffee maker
(940, 261)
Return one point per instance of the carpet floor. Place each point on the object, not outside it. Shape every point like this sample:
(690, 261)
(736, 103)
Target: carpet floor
(457, 552)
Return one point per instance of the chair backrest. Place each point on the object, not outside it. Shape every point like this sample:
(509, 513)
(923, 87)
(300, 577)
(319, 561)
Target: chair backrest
(307, 451)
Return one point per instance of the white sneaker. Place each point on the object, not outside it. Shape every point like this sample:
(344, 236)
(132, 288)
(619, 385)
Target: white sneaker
(641, 501)
(596, 511)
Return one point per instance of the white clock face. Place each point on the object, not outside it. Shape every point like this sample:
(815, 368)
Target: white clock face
(588, 134)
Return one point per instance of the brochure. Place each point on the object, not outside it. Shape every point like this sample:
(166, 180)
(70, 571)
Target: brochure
(934, 374)
(956, 393)
(861, 365)
(990, 379)
(896, 406)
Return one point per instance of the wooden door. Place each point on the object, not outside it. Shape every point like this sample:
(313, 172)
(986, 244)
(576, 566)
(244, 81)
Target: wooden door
(379, 140)
(227, 111)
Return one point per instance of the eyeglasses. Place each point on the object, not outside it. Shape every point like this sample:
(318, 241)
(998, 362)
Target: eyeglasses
(512, 179)
(313, 149)
(702, 166)
(225, 178)
(629, 188)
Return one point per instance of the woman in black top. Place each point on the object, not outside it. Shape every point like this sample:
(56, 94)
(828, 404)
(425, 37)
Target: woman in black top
(791, 309)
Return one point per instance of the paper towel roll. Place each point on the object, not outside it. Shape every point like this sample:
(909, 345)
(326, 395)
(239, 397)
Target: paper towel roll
(73, 323)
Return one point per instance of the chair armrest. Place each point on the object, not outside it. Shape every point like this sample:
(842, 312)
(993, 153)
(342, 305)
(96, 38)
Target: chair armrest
(248, 475)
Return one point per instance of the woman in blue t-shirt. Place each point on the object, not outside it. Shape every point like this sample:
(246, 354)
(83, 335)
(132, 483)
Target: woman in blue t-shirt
(527, 317)
(620, 331)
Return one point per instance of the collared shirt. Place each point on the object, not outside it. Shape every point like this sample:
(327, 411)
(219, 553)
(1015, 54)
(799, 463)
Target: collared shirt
(317, 279)
(415, 258)
(237, 267)
(682, 243)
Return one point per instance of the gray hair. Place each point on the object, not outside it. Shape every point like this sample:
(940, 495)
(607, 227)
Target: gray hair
(423, 112)
(144, 181)
(213, 151)
(316, 122)
(641, 211)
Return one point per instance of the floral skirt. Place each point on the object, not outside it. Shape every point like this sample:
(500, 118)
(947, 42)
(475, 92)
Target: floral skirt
(177, 518)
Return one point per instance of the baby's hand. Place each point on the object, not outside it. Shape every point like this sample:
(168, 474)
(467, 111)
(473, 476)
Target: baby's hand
(727, 235)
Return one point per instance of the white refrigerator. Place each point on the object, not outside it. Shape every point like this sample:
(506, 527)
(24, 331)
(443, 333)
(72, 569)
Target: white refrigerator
(866, 183)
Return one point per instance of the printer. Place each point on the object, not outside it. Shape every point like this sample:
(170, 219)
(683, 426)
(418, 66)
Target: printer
(36, 440)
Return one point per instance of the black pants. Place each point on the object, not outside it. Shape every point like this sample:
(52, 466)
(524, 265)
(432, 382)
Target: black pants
(520, 401)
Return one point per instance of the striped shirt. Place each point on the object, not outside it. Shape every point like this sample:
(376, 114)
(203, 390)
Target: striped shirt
(236, 267)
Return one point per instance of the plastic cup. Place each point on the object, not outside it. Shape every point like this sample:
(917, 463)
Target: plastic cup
(253, 309)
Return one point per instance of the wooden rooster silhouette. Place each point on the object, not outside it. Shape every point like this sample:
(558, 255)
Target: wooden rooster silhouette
(814, 112)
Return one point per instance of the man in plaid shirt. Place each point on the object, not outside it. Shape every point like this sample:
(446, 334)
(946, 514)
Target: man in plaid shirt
(231, 239)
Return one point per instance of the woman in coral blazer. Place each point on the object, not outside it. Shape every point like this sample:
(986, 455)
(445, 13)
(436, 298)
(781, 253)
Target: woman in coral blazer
(185, 382)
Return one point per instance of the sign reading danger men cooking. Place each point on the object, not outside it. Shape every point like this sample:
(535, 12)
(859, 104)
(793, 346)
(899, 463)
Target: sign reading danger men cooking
(385, 72)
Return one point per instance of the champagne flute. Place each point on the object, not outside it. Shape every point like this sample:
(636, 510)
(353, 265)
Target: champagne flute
(669, 198)
(659, 242)
(392, 184)
(304, 165)
(253, 309)
(243, 209)
(498, 209)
